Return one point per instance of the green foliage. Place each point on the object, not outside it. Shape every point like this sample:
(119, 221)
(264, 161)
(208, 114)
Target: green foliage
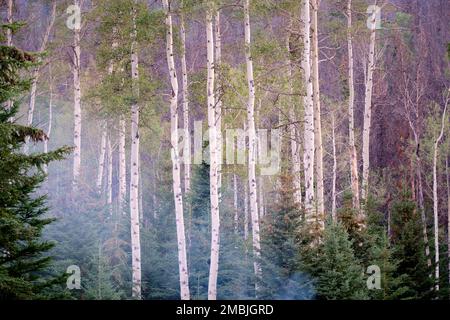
(282, 278)
(22, 251)
(409, 249)
(336, 271)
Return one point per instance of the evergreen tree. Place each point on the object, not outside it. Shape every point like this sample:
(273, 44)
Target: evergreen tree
(336, 271)
(409, 249)
(282, 278)
(22, 250)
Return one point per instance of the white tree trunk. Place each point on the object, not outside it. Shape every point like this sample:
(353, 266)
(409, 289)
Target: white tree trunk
(252, 146)
(122, 166)
(134, 169)
(187, 138)
(333, 187)
(245, 211)
(101, 160)
(109, 180)
(50, 116)
(214, 165)
(176, 166)
(368, 110)
(76, 68)
(36, 71)
(218, 111)
(295, 153)
(9, 20)
(448, 215)
(261, 198)
(317, 118)
(436, 199)
(308, 156)
(354, 176)
(235, 204)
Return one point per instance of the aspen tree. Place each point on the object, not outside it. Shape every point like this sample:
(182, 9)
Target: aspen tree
(295, 154)
(76, 70)
(134, 165)
(214, 165)
(253, 191)
(448, 215)
(185, 98)
(9, 20)
(218, 109)
(176, 165)
(435, 195)
(122, 165)
(50, 116)
(368, 108)
(101, 160)
(353, 157)
(317, 117)
(333, 187)
(309, 148)
(109, 176)
(37, 69)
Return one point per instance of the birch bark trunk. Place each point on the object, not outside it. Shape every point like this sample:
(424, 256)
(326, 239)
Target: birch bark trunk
(235, 204)
(317, 118)
(187, 138)
(176, 166)
(436, 199)
(214, 165)
(368, 110)
(76, 68)
(252, 147)
(122, 166)
(50, 117)
(134, 165)
(36, 72)
(109, 179)
(333, 191)
(308, 156)
(295, 154)
(354, 176)
(101, 160)
(218, 111)
(9, 20)
(448, 215)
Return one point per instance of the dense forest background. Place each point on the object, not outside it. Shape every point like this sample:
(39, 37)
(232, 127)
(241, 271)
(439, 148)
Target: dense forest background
(355, 111)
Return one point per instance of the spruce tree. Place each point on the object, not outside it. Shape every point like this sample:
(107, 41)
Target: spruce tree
(23, 256)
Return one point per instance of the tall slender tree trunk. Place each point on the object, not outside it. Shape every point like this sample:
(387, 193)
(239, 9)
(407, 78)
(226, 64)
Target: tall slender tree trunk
(368, 110)
(295, 154)
(317, 117)
(50, 116)
(214, 165)
(448, 216)
(308, 156)
(134, 168)
(252, 147)
(36, 71)
(235, 204)
(333, 187)
(76, 69)
(354, 176)
(187, 138)
(217, 63)
(109, 179)
(9, 20)
(176, 165)
(122, 166)
(101, 160)
(436, 199)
